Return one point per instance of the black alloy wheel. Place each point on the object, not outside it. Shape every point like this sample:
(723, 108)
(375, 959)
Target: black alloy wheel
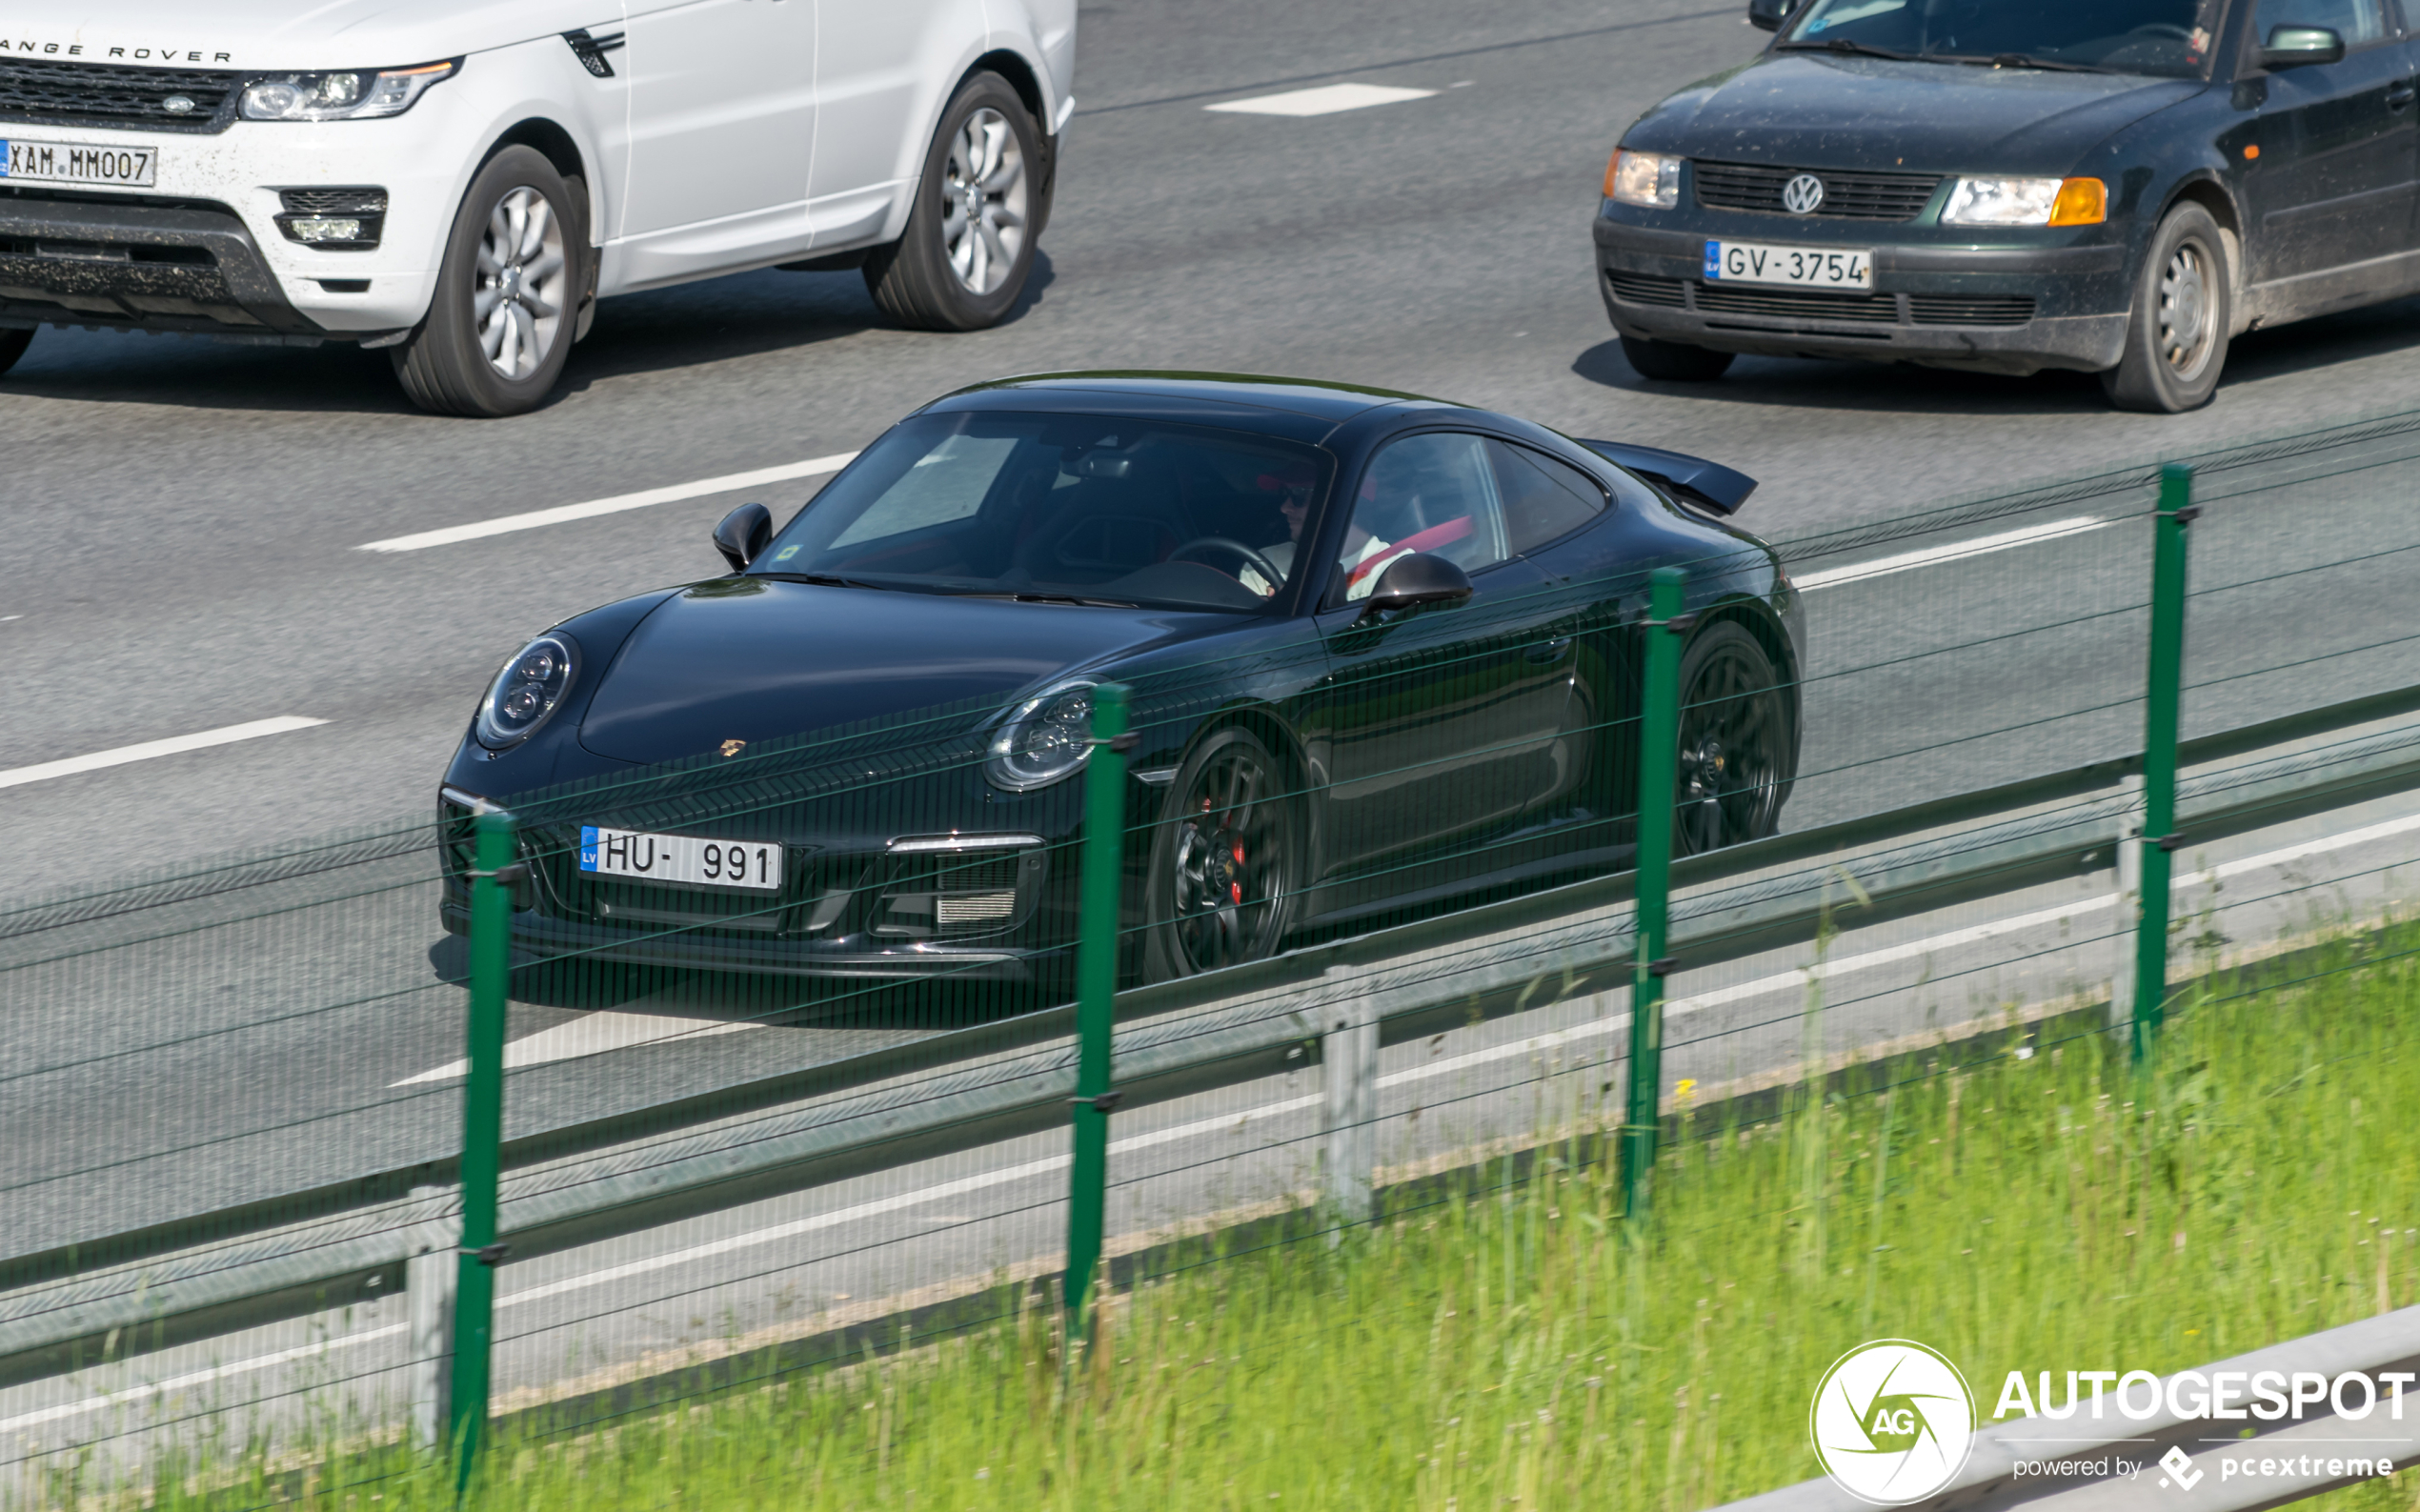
(13, 345)
(1225, 862)
(1736, 756)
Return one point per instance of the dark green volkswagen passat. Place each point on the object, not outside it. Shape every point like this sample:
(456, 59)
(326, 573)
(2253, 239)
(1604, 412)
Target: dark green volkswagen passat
(2004, 185)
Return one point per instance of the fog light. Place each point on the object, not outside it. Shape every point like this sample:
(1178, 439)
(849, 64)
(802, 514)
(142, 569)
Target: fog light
(325, 227)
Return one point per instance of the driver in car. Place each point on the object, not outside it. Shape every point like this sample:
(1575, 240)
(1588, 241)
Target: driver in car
(1293, 482)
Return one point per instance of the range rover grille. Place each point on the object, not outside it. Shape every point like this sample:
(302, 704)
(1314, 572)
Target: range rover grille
(1847, 196)
(102, 95)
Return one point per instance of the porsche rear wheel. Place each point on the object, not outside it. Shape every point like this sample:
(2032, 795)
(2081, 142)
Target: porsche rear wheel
(1225, 861)
(1737, 755)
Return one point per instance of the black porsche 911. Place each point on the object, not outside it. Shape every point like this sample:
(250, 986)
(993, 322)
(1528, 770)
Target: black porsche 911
(1384, 653)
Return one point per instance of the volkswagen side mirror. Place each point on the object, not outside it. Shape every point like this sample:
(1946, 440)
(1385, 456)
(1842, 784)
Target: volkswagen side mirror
(742, 535)
(1419, 578)
(1767, 15)
(2297, 47)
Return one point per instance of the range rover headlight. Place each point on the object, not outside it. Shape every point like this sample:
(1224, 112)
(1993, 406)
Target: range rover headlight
(528, 691)
(1648, 180)
(2027, 202)
(347, 95)
(1048, 739)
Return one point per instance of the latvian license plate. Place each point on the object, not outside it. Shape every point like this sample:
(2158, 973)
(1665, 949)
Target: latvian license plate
(79, 163)
(1749, 262)
(680, 858)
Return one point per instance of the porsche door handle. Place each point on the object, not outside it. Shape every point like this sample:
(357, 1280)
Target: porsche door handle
(1548, 654)
(2400, 96)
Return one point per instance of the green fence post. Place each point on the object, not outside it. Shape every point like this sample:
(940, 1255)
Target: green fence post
(2163, 693)
(1095, 986)
(1658, 753)
(492, 881)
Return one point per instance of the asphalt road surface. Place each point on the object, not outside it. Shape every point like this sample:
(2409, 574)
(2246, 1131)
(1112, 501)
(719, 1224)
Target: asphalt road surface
(183, 517)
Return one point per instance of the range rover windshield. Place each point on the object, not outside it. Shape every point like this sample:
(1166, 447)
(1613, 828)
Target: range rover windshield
(2165, 38)
(1061, 508)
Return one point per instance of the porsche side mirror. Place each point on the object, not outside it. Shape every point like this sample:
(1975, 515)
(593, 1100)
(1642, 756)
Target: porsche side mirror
(2297, 47)
(1767, 15)
(1419, 578)
(742, 535)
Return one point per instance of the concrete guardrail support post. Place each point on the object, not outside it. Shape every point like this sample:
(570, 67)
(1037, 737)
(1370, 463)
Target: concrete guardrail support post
(1348, 1097)
(428, 1283)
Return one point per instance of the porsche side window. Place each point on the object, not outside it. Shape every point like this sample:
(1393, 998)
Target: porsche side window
(2356, 21)
(1544, 499)
(1433, 493)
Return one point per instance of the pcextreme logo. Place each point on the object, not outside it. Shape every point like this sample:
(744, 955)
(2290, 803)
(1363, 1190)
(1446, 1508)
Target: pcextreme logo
(1892, 1421)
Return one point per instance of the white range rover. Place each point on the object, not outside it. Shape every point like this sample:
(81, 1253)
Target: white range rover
(459, 181)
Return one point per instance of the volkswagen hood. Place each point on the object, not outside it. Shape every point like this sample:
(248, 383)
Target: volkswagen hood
(1805, 110)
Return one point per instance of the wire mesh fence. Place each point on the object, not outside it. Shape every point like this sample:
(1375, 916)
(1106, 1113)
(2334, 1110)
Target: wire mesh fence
(810, 1095)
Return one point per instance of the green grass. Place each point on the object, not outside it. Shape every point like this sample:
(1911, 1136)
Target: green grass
(1524, 1348)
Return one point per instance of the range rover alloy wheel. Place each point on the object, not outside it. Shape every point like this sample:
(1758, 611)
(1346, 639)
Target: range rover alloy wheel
(969, 244)
(508, 294)
(2176, 338)
(1225, 860)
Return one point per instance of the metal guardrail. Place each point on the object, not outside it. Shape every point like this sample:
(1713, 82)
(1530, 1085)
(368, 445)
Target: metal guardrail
(307, 1252)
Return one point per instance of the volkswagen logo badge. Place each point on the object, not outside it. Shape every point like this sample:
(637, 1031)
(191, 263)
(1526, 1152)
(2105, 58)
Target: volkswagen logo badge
(1802, 195)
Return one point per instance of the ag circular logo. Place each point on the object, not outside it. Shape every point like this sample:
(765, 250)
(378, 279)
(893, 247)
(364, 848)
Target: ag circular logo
(1802, 195)
(1892, 1421)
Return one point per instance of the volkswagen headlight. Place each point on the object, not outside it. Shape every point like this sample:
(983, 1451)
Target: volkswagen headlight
(1049, 737)
(529, 689)
(1649, 179)
(2027, 202)
(347, 94)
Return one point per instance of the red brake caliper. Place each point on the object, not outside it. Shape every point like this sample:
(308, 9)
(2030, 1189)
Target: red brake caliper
(1234, 889)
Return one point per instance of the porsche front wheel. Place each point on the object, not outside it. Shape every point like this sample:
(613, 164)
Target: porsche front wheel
(1226, 860)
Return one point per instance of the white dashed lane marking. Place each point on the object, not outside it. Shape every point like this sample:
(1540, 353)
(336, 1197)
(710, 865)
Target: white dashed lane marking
(564, 514)
(225, 735)
(1325, 100)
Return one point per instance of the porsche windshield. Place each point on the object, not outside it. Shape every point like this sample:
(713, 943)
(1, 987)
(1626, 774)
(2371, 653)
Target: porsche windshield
(1058, 509)
(2167, 38)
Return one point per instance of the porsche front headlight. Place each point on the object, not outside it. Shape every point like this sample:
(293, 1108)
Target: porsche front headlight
(345, 94)
(529, 688)
(1048, 739)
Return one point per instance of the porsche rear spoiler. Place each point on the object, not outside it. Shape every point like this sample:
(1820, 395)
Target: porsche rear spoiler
(1694, 478)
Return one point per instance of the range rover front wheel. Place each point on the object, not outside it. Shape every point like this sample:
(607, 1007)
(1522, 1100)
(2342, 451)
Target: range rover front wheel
(506, 306)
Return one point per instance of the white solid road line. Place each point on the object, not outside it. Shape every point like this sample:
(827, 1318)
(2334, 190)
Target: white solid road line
(1325, 100)
(1982, 546)
(227, 734)
(151, 1390)
(590, 1034)
(671, 493)
(1227, 1122)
